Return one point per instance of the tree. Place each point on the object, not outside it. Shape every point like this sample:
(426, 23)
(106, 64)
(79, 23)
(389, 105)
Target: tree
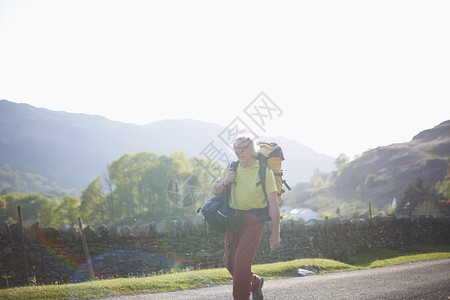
(2, 209)
(446, 183)
(110, 205)
(341, 159)
(444, 193)
(118, 172)
(370, 181)
(158, 178)
(416, 195)
(131, 193)
(446, 190)
(139, 184)
(47, 216)
(319, 183)
(31, 204)
(92, 207)
(317, 178)
(67, 212)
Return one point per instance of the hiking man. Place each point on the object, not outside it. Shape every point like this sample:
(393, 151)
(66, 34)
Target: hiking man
(249, 209)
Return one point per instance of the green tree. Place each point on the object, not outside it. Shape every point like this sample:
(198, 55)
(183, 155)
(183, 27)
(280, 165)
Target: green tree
(315, 176)
(319, 183)
(446, 190)
(206, 172)
(110, 199)
(370, 181)
(438, 187)
(2, 209)
(341, 159)
(93, 207)
(126, 174)
(67, 212)
(31, 206)
(47, 215)
(139, 184)
(120, 173)
(159, 177)
(150, 174)
(417, 195)
(446, 182)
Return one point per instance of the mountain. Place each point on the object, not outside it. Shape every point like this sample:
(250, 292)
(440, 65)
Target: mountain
(383, 173)
(72, 149)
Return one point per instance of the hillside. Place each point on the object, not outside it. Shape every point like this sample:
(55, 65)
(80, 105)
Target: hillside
(382, 174)
(72, 149)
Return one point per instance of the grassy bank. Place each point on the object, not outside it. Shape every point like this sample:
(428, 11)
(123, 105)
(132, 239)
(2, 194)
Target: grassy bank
(187, 279)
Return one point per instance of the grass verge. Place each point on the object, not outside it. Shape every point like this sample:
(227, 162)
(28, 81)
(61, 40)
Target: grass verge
(180, 280)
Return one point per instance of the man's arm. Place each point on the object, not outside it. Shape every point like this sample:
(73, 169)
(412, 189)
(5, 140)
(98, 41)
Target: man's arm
(219, 186)
(274, 211)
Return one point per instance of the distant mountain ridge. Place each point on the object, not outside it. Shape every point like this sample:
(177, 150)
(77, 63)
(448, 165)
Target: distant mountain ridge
(72, 149)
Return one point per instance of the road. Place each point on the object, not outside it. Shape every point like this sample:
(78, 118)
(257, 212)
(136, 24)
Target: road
(420, 280)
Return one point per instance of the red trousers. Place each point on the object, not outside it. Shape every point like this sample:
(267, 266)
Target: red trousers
(242, 245)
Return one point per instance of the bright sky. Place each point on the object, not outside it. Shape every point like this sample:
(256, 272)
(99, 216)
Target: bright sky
(346, 76)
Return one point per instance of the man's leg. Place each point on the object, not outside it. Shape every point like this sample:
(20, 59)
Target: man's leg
(231, 241)
(244, 281)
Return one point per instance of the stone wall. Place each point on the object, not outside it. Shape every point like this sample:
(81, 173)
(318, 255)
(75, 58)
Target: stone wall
(57, 255)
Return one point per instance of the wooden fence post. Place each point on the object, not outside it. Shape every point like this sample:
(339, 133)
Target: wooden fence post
(22, 232)
(327, 250)
(371, 229)
(86, 250)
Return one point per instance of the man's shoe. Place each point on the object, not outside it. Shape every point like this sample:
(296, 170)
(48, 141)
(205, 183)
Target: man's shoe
(258, 295)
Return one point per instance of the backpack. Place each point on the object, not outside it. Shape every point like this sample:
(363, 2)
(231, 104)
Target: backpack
(271, 155)
(215, 210)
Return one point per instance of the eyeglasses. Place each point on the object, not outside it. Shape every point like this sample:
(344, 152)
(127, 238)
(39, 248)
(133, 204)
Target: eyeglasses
(241, 149)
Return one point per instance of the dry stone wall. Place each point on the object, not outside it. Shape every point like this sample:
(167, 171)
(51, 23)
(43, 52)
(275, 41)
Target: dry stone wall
(57, 255)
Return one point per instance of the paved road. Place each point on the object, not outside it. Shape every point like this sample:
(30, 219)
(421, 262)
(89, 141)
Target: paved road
(420, 280)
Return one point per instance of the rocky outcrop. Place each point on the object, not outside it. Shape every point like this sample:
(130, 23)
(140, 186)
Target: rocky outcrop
(382, 174)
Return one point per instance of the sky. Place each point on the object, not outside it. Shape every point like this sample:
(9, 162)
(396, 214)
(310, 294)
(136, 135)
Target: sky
(336, 76)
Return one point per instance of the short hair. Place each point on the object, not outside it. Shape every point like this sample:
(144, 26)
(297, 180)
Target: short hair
(245, 137)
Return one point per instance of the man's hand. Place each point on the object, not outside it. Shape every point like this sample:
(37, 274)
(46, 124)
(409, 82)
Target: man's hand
(219, 186)
(275, 241)
(274, 211)
(229, 177)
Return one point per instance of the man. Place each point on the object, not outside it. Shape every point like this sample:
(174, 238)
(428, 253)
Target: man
(249, 210)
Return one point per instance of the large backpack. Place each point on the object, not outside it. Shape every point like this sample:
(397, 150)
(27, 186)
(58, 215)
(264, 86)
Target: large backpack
(271, 155)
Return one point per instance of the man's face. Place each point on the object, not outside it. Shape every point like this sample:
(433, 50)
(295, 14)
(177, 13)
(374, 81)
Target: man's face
(243, 149)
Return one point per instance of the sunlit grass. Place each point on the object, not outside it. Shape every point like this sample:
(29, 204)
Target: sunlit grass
(121, 286)
(384, 257)
(188, 279)
(290, 268)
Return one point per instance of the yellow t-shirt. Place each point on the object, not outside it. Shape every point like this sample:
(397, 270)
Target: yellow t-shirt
(245, 194)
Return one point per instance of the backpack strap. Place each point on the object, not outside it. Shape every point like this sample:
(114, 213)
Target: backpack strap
(234, 165)
(262, 177)
(206, 230)
(231, 167)
(262, 180)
